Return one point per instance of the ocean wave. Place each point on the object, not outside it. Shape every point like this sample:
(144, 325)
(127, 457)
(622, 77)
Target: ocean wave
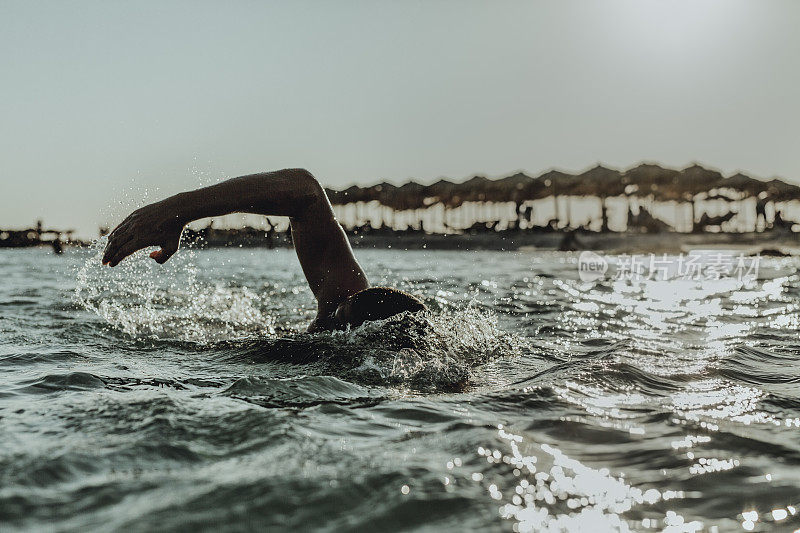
(305, 391)
(70, 381)
(41, 356)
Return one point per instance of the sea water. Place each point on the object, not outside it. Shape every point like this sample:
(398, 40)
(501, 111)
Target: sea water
(187, 396)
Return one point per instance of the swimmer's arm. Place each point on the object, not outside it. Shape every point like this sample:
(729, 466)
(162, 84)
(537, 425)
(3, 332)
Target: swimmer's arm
(321, 245)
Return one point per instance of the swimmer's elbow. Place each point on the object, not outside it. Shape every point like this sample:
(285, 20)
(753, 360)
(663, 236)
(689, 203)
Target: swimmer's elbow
(307, 183)
(310, 191)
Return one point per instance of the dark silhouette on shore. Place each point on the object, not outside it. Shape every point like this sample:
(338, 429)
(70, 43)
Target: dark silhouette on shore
(37, 236)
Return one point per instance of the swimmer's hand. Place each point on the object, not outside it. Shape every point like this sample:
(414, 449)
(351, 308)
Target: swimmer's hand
(153, 225)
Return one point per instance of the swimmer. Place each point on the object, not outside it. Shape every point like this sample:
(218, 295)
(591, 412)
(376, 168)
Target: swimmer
(344, 296)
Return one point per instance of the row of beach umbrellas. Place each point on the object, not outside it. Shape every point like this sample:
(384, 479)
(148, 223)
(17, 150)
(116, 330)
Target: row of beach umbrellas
(643, 181)
(646, 181)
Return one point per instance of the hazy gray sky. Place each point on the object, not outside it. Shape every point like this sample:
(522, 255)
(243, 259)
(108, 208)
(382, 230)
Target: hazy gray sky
(103, 102)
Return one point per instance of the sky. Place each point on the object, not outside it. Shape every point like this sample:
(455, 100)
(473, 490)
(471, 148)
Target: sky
(105, 105)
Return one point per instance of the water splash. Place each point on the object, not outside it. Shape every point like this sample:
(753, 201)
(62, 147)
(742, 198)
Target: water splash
(427, 351)
(433, 351)
(168, 302)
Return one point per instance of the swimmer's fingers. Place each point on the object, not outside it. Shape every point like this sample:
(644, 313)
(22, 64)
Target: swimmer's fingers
(115, 242)
(124, 232)
(121, 235)
(166, 251)
(119, 230)
(124, 251)
(142, 228)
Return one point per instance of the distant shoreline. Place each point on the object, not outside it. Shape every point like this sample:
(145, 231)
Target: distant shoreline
(773, 242)
(787, 243)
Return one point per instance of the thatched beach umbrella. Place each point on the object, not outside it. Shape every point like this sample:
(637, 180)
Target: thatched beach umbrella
(780, 191)
(648, 181)
(515, 182)
(745, 186)
(648, 178)
(741, 183)
(694, 180)
(409, 196)
(598, 181)
(601, 182)
(476, 189)
(441, 192)
(383, 193)
(517, 188)
(554, 182)
(354, 193)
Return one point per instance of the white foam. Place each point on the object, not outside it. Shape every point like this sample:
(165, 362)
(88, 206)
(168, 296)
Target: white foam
(168, 302)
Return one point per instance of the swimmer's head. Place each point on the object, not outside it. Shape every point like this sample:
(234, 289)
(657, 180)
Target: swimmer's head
(375, 303)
